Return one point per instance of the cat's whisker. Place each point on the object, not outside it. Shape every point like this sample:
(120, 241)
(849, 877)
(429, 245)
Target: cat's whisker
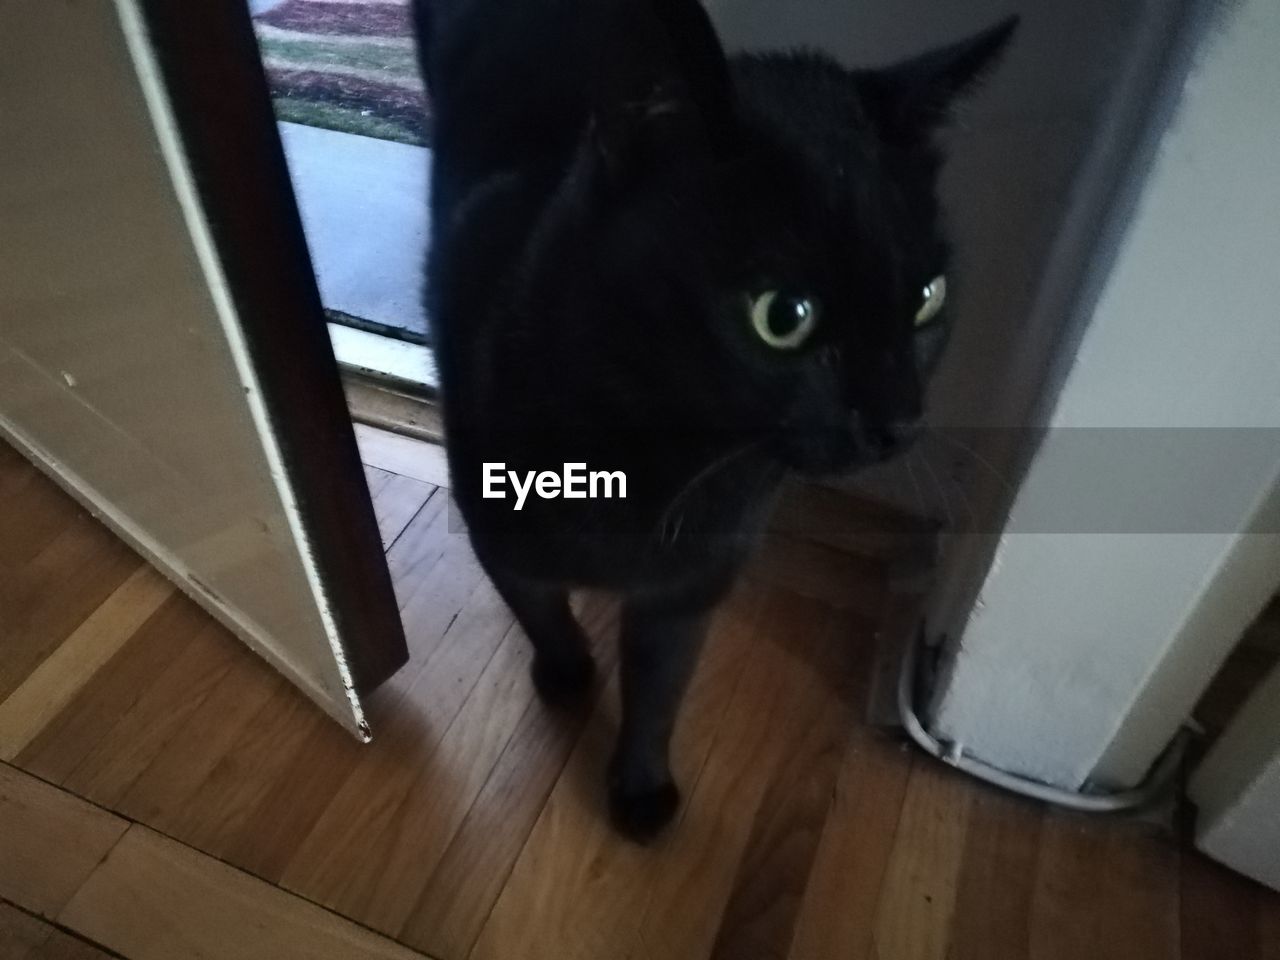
(700, 477)
(983, 461)
(966, 498)
(915, 483)
(675, 532)
(938, 486)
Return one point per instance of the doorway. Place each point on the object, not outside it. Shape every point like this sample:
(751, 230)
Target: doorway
(352, 115)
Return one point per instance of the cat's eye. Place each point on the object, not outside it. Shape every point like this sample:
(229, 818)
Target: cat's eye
(934, 296)
(783, 320)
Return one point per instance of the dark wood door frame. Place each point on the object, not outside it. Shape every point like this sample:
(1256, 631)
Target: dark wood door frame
(211, 70)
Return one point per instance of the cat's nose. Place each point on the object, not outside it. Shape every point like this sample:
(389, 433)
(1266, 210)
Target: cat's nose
(904, 431)
(894, 436)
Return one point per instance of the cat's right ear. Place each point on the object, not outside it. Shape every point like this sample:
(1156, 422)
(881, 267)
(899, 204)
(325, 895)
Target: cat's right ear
(661, 86)
(917, 96)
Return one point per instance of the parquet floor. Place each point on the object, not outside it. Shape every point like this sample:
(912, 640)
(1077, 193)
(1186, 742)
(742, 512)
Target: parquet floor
(164, 795)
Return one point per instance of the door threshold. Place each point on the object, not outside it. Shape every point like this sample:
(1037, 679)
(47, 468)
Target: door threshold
(376, 401)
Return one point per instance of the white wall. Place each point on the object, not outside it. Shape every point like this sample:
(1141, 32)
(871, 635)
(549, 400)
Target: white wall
(1086, 648)
(1237, 790)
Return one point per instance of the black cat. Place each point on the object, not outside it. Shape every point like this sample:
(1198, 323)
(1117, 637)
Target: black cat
(698, 271)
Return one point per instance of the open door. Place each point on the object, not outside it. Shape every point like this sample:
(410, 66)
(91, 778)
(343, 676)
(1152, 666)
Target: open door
(163, 353)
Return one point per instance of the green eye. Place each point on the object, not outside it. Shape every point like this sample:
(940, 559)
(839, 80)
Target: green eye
(935, 295)
(782, 320)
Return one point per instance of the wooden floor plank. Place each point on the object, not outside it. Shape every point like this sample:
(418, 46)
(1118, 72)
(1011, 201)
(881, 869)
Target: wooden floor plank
(403, 455)
(397, 502)
(1268, 923)
(12, 466)
(155, 899)
(279, 778)
(1137, 893)
(1064, 919)
(239, 796)
(171, 781)
(917, 901)
(289, 788)
(24, 937)
(417, 836)
(147, 896)
(539, 898)
(434, 572)
(1219, 915)
(255, 788)
(375, 479)
(585, 884)
(474, 868)
(420, 548)
(55, 593)
(455, 738)
(759, 920)
(140, 735)
(35, 513)
(379, 782)
(820, 572)
(50, 842)
(851, 523)
(837, 917)
(286, 744)
(993, 901)
(697, 871)
(76, 731)
(56, 681)
(460, 893)
(1105, 889)
(405, 766)
(21, 935)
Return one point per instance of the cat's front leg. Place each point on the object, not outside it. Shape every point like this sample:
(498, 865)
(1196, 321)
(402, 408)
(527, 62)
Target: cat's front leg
(660, 642)
(562, 666)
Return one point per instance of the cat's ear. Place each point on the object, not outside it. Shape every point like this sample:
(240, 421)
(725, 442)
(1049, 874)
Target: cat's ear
(917, 95)
(661, 82)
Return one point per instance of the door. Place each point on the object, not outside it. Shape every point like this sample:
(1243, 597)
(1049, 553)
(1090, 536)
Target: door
(162, 348)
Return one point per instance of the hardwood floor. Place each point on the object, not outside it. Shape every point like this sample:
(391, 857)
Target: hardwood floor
(164, 794)
(26, 937)
(144, 895)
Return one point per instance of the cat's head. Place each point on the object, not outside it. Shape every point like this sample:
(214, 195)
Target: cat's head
(770, 226)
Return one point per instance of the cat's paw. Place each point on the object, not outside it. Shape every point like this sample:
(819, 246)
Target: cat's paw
(641, 814)
(562, 683)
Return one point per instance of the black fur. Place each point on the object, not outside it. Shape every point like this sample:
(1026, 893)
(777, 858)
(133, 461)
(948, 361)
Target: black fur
(608, 194)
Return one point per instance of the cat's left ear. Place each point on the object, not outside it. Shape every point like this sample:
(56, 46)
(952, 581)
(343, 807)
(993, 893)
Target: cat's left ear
(660, 83)
(919, 94)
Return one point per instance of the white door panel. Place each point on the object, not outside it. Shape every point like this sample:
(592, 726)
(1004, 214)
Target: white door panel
(125, 368)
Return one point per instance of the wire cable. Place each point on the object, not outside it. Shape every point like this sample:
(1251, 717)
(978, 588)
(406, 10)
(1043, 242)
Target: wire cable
(1158, 784)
